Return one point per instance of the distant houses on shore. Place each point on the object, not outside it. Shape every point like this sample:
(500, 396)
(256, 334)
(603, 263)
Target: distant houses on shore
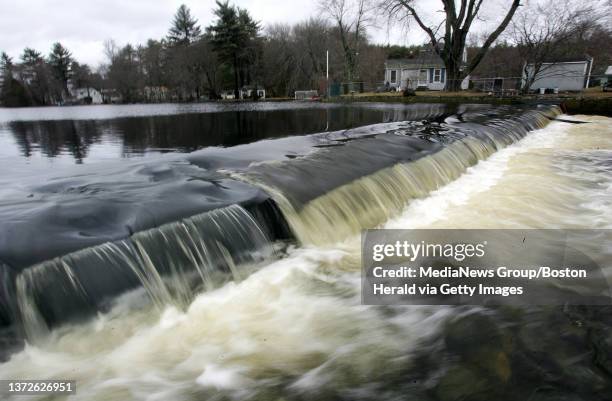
(425, 70)
(247, 92)
(87, 95)
(558, 75)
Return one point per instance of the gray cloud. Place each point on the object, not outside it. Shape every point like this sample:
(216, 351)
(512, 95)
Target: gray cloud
(84, 25)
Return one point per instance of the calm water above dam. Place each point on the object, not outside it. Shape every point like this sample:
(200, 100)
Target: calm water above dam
(189, 252)
(88, 134)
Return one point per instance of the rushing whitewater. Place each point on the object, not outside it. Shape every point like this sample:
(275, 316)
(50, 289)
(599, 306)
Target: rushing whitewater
(381, 175)
(198, 247)
(226, 313)
(397, 162)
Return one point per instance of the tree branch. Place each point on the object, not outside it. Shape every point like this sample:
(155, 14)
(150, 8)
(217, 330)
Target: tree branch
(429, 31)
(493, 36)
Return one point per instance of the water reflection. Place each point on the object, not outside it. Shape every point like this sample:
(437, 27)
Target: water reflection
(53, 138)
(83, 140)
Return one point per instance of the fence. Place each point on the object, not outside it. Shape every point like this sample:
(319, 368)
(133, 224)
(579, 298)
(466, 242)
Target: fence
(503, 86)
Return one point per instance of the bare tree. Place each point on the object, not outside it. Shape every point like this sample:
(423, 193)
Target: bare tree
(448, 38)
(294, 56)
(279, 58)
(547, 34)
(351, 18)
(111, 49)
(312, 39)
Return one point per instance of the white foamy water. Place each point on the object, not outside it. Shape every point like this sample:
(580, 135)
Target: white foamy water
(550, 179)
(296, 327)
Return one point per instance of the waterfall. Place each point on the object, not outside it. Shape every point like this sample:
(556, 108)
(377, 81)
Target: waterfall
(327, 194)
(172, 263)
(389, 171)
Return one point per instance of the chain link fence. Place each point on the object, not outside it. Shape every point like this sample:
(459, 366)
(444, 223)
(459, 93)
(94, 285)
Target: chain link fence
(491, 86)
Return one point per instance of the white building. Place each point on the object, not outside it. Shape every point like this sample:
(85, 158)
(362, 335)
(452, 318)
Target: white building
(565, 76)
(81, 94)
(248, 92)
(426, 70)
(245, 93)
(228, 95)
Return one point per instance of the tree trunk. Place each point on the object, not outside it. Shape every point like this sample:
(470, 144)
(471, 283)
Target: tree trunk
(350, 61)
(453, 62)
(236, 84)
(454, 76)
(212, 90)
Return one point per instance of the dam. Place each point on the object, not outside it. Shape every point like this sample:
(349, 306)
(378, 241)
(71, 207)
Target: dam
(202, 250)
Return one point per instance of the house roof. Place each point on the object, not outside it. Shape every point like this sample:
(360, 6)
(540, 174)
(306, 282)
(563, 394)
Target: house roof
(564, 62)
(422, 60)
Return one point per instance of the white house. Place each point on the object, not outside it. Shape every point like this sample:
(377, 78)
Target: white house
(82, 95)
(248, 92)
(245, 93)
(565, 76)
(426, 70)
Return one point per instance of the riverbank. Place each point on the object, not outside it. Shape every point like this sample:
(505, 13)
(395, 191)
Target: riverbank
(594, 106)
(589, 102)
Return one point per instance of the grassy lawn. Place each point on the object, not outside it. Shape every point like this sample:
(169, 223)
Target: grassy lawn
(596, 92)
(590, 93)
(419, 93)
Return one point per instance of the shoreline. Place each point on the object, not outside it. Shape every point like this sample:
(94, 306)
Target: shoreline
(569, 104)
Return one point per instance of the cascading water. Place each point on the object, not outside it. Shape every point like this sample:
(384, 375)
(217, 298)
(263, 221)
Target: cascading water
(172, 263)
(370, 175)
(295, 328)
(393, 168)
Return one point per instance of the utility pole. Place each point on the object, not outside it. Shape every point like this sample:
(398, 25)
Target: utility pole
(327, 71)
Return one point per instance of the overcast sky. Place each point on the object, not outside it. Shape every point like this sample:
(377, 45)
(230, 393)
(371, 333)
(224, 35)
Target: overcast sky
(83, 25)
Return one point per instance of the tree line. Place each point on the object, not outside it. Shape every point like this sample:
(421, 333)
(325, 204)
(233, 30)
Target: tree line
(38, 80)
(195, 62)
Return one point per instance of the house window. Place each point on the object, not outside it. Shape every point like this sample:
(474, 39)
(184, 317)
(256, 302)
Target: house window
(437, 75)
(393, 76)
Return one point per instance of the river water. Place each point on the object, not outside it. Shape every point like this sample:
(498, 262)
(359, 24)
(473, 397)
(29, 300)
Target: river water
(288, 322)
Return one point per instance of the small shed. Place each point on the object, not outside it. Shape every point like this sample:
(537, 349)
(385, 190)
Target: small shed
(564, 75)
(306, 95)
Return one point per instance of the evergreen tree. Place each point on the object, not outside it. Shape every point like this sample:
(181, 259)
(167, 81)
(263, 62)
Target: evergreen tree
(60, 60)
(185, 28)
(6, 65)
(233, 37)
(6, 75)
(35, 76)
(12, 93)
(31, 57)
